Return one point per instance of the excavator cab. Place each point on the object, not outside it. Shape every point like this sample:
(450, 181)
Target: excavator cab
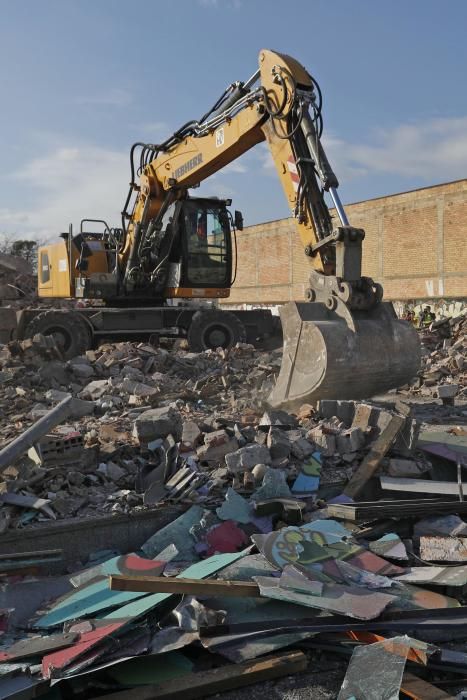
(201, 255)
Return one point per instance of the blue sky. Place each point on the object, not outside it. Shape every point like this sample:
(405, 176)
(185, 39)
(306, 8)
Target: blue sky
(82, 80)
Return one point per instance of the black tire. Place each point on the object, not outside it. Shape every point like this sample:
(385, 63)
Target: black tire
(71, 331)
(213, 329)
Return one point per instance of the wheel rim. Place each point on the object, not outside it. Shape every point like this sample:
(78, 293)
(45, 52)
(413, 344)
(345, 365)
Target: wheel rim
(217, 336)
(61, 336)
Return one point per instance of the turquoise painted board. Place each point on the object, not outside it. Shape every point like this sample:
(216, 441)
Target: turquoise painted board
(199, 570)
(95, 595)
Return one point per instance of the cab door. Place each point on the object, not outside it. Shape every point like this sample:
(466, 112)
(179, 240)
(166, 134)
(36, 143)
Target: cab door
(44, 273)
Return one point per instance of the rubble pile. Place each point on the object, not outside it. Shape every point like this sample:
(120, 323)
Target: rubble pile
(17, 281)
(444, 360)
(126, 374)
(327, 529)
(118, 392)
(147, 426)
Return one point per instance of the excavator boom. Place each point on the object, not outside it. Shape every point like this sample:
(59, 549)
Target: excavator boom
(344, 342)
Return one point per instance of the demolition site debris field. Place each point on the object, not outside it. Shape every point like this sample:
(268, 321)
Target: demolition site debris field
(163, 530)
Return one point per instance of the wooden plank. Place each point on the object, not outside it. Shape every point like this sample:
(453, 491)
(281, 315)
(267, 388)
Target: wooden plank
(32, 555)
(417, 689)
(162, 584)
(199, 685)
(391, 509)
(444, 488)
(372, 461)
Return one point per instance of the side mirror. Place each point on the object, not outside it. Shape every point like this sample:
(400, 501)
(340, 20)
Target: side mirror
(238, 219)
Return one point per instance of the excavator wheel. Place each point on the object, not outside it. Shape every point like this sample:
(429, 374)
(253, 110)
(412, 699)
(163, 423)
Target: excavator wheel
(342, 354)
(69, 329)
(214, 328)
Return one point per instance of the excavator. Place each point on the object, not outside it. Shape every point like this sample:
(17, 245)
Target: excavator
(343, 341)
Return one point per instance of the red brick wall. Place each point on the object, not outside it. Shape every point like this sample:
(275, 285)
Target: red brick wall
(415, 245)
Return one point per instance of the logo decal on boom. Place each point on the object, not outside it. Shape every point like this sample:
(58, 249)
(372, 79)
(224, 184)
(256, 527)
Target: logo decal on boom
(189, 165)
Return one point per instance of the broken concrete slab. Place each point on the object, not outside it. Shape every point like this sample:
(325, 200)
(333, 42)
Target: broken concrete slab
(278, 443)
(94, 390)
(191, 436)
(158, 423)
(450, 549)
(274, 486)
(216, 446)
(247, 457)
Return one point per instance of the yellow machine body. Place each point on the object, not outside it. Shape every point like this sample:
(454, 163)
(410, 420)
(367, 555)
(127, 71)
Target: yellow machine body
(56, 272)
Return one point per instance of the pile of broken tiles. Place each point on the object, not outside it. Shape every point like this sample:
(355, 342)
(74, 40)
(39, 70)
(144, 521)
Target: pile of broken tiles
(279, 515)
(271, 523)
(309, 583)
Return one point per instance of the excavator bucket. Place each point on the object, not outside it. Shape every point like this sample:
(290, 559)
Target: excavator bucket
(342, 354)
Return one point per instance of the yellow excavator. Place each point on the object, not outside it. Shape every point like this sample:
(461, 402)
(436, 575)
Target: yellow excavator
(341, 342)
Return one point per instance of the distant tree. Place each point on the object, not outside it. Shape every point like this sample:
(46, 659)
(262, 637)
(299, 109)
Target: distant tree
(5, 243)
(22, 248)
(25, 249)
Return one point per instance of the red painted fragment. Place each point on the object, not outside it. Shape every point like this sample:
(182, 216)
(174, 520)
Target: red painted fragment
(61, 659)
(131, 562)
(225, 538)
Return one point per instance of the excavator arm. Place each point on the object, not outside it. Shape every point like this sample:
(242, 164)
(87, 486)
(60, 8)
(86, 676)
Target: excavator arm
(347, 343)
(280, 104)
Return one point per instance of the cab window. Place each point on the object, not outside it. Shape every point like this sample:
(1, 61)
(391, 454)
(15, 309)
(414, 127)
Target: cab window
(44, 268)
(208, 247)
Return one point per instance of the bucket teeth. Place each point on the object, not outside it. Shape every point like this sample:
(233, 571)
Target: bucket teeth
(355, 355)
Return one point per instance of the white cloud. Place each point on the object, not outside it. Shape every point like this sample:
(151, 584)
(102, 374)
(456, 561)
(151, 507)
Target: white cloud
(71, 183)
(432, 151)
(115, 97)
(9, 217)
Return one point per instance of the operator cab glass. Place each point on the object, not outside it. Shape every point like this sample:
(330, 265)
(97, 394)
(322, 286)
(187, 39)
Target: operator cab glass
(208, 259)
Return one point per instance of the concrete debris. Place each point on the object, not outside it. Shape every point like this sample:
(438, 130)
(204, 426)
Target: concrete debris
(158, 423)
(18, 284)
(153, 430)
(444, 360)
(216, 446)
(246, 458)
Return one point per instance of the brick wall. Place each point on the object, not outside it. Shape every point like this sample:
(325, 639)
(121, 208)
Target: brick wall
(415, 245)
